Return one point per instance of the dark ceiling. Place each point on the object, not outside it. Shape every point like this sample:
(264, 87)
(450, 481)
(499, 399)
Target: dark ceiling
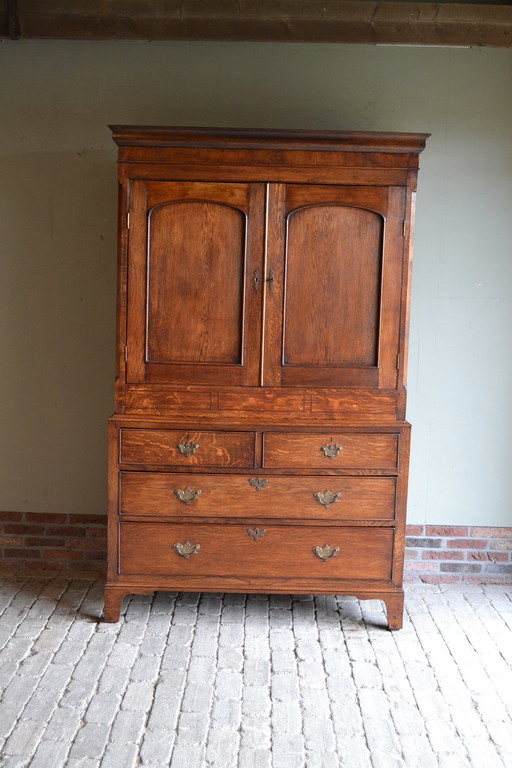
(336, 21)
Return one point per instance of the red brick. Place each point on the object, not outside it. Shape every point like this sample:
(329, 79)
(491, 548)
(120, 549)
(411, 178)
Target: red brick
(14, 568)
(422, 565)
(11, 515)
(410, 577)
(43, 541)
(467, 543)
(40, 565)
(440, 578)
(44, 517)
(33, 530)
(493, 557)
(21, 554)
(94, 544)
(97, 531)
(95, 555)
(62, 554)
(89, 519)
(461, 567)
(487, 579)
(443, 554)
(501, 544)
(414, 530)
(33, 564)
(67, 530)
(10, 541)
(492, 533)
(411, 554)
(446, 530)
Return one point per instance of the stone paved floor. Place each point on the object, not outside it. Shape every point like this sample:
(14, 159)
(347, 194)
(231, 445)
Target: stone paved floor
(192, 681)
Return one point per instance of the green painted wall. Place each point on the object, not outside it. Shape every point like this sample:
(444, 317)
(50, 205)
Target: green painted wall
(58, 232)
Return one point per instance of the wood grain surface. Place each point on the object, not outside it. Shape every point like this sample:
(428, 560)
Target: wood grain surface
(229, 550)
(360, 498)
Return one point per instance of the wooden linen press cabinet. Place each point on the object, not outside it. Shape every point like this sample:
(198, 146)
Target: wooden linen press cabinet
(258, 442)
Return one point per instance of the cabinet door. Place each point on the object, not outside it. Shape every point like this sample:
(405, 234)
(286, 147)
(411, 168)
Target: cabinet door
(333, 306)
(194, 315)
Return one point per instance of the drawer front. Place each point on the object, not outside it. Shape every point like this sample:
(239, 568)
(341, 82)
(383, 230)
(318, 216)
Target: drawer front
(180, 448)
(331, 451)
(198, 495)
(280, 552)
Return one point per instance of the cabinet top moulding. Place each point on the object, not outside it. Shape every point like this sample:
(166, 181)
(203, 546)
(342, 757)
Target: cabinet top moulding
(268, 139)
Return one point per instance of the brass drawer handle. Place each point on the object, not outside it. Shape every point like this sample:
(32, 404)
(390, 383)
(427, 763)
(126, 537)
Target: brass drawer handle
(258, 482)
(327, 498)
(330, 450)
(187, 549)
(187, 448)
(326, 552)
(188, 495)
(256, 533)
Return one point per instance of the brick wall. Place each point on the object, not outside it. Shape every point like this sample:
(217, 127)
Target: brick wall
(53, 541)
(450, 554)
(435, 553)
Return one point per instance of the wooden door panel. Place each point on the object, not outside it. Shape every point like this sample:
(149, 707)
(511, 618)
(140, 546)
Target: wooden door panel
(333, 256)
(193, 314)
(187, 287)
(336, 255)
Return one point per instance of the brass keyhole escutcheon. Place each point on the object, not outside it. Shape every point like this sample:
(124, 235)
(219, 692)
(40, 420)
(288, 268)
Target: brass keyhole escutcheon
(258, 482)
(256, 533)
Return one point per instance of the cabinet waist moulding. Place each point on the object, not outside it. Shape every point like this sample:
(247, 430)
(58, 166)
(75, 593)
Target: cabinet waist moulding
(259, 441)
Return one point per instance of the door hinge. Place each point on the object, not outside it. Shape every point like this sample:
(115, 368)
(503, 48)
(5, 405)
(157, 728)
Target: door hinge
(398, 361)
(126, 353)
(404, 224)
(128, 220)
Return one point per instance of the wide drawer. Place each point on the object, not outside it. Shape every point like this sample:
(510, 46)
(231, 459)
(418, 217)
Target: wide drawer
(193, 448)
(199, 495)
(274, 551)
(329, 450)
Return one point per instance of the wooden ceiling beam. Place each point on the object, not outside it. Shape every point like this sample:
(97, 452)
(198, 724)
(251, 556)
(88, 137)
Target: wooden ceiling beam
(333, 21)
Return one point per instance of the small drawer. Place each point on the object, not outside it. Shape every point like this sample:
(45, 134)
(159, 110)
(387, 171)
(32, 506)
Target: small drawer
(155, 494)
(167, 549)
(329, 450)
(188, 449)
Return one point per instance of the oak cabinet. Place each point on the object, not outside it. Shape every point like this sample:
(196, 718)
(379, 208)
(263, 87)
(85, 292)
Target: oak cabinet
(262, 342)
